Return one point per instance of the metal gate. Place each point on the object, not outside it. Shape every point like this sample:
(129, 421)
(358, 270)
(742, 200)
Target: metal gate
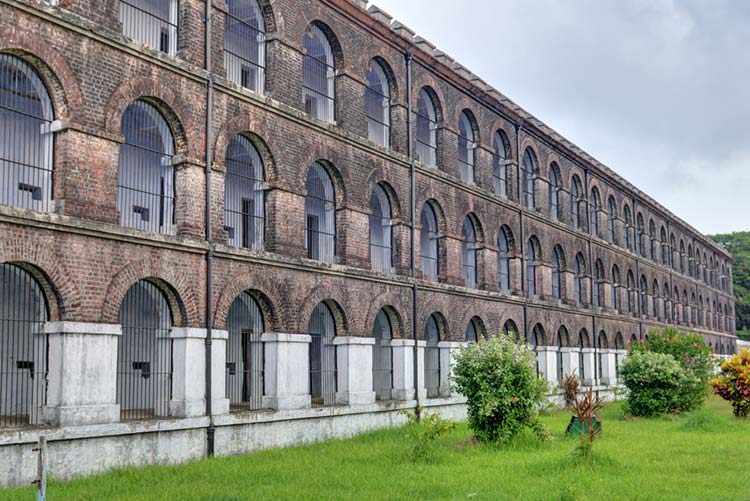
(245, 357)
(323, 374)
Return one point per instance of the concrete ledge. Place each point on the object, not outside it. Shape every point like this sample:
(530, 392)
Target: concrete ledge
(345, 340)
(451, 344)
(187, 333)
(355, 397)
(402, 342)
(82, 414)
(271, 337)
(287, 402)
(219, 334)
(83, 328)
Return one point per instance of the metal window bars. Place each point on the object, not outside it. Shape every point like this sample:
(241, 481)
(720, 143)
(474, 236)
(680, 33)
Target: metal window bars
(469, 253)
(432, 358)
(245, 44)
(378, 105)
(528, 180)
(466, 147)
(471, 332)
(319, 76)
(244, 195)
(26, 137)
(145, 190)
(245, 355)
(151, 22)
(554, 193)
(429, 243)
(381, 253)
(426, 130)
(144, 354)
(320, 215)
(500, 164)
(23, 348)
(503, 262)
(323, 370)
(382, 357)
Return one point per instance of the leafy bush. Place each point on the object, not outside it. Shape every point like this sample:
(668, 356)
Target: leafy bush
(586, 407)
(569, 386)
(733, 384)
(424, 431)
(654, 382)
(692, 353)
(502, 389)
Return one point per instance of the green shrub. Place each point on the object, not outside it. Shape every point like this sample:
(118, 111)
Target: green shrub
(502, 389)
(654, 382)
(692, 353)
(425, 429)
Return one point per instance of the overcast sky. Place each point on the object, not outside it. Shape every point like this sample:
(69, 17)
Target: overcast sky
(658, 90)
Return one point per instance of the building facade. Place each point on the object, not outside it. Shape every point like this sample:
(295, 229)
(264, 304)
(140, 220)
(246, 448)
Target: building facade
(234, 224)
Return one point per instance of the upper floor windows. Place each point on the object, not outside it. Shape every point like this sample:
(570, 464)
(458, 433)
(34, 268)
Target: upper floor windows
(611, 217)
(245, 44)
(426, 145)
(595, 204)
(151, 22)
(576, 202)
(429, 242)
(682, 256)
(500, 163)
(641, 235)
(381, 235)
(318, 75)
(615, 289)
(652, 240)
(145, 190)
(378, 105)
(533, 255)
(599, 284)
(466, 147)
(664, 247)
(527, 179)
(554, 191)
(320, 214)
(469, 252)
(628, 228)
(244, 197)
(558, 263)
(504, 239)
(26, 138)
(579, 279)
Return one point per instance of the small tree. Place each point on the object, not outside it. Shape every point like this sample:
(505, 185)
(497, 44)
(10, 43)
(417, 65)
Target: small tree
(734, 382)
(654, 382)
(502, 389)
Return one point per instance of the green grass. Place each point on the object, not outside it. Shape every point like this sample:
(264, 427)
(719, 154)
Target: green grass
(698, 456)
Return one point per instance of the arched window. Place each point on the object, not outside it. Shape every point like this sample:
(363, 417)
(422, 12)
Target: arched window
(628, 227)
(682, 256)
(381, 238)
(466, 147)
(382, 357)
(611, 217)
(432, 374)
(537, 339)
(244, 364)
(554, 191)
(667, 306)
(616, 284)
(583, 342)
(144, 354)
(323, 370)
(693, 310)
(603, 345)
(500, 162)
(378, 105)
(599, 285)
(510, 329)
(473, 331)
(643, 304)
(630, 291)
(531, 266)
(469, 253)
(620, 347)
(641, 236)
(23, 350)
(562, 341)
(426, 129)
(245, 44)
(691, 261)
(145, 191)
(558, 261)
(580, 277)
(664, 247)
(684, 308)
(152, 23)
(429, 243)
(595, 204)
(244, 198)
(654, 300)
(503, 258)
(26, 137)
(320, 215)
(652, 240)
(527, 179)
(319, 75)
(672, 249)
(575, 202)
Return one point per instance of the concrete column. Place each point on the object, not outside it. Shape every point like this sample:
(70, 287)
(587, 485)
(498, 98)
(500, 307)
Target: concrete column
(82, 373)
(354, 366)
(589, 375)
(219, 400)
(422, 389)
(188, 372)
(569, 361)
(448, 349)
(403, 369)
(607, 361)
(547, 360)
(286, 371)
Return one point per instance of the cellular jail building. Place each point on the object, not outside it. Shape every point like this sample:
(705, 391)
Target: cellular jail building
(228, 225)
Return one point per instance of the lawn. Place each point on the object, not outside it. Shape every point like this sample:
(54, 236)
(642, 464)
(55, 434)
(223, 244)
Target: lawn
(700, 456)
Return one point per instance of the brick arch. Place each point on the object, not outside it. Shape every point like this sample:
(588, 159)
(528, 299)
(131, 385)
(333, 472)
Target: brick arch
(483, 312)
(255, 128)
(528, 144)
(464, 104)
(387, 179)
(176, 111)
(178, 288)
(444, 331)
(333, 161)
(386, 300)
(434, 89)
(323, 294)
(315, 14)
(59, 79)
(510, 134)
(553, 159)
(272, 25)
(383, 56)
(272, 302)
(507, 229)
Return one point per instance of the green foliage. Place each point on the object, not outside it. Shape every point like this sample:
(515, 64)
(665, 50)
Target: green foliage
(733, 384)
(502, 388)
(569, 386)
(739, 245)
(654, 382)
(692, 353)
(424, 430)
(586, 407)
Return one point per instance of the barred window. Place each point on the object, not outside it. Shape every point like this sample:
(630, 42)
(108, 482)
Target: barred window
(23, 348)
(562, 341)
(151, 22)
(503, 258)
(432, 374)
(579, 279)
(245, 44)
(244, 198)
(691, 261)
(26, 137)
(378, 105)
(500, 163)
(652, 240)
(382, 357)
(664, 247)
(323, 370)
(628, 226)
(557, 271)
(611, 216)
(469, 253)
(672, 249)
(144, 354)
(599, 284)
(527, 180)
(531, 265)
(575, 202)
(381, 238)
(682, 256)
(603, 345)
(426, 129)
(554, 191)
(583, 341)
(319, 75)
(429, 243)
(684, 308)
(630, 292)
(641, 236)
(667, 307)
(145, 191)
(654, 300)
(320, 215)
(510, 329)
(472, 331)
(616, 288)
(594, 212)
(537, 338)
(643, 305)
(466, 147)
(244, 356)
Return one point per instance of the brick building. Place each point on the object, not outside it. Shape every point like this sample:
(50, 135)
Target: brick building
(215, 218)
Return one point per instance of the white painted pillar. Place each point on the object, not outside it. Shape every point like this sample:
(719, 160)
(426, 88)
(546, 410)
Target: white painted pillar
(82, 373)
(589, 375)
(188, 372)
(607, 361)
(403, 369)
(547, 360)
(422, 389)
(354, 366)
(219, 400)
(620, 356)
(447, 351)
(569, 361)
(286, 371)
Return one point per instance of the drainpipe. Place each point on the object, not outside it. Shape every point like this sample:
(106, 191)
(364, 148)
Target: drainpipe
(209, 240)
(522, 234)
(408, 56)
